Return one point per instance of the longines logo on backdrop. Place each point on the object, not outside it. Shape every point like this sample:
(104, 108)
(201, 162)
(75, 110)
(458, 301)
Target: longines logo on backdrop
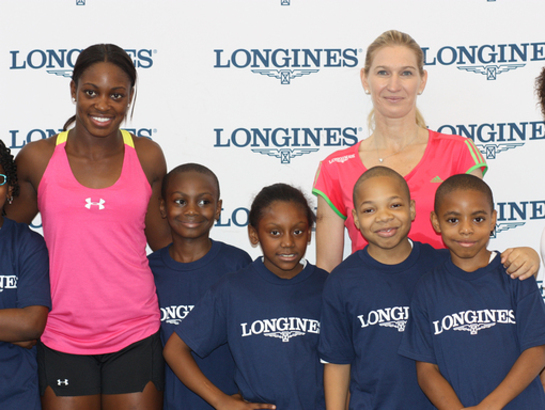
(494, 139)
(286, 143)
(511, 215)
(489, 60)
(287, 64)
(19, 138)
(285, 2)
(61, 61)
(238, 217)
(80, 2)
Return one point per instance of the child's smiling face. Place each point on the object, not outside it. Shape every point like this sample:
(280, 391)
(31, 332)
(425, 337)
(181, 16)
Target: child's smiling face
(465, 218)
(383, 213)
(283, 233)
(191, 204)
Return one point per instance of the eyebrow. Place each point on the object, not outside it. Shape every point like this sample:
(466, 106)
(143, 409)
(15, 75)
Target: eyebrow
(402, 68)
(388, 199)
(454, 213)
(199, 194)
(96, 86)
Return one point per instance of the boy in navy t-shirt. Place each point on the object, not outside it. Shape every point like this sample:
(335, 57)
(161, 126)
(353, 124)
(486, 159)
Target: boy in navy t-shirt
(188, 267)
(366, 302)
(477, 335)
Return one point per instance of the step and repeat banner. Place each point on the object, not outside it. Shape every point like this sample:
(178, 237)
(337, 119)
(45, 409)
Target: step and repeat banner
(261, 90)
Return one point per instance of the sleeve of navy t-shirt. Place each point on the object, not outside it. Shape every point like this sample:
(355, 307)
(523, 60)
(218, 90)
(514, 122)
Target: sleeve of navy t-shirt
(417, 342)
(33, 271)
(335, 344)
(530, 314)
(206, 327)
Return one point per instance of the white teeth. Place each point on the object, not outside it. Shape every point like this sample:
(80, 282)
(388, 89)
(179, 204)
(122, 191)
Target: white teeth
(101, 119)
(291, 255)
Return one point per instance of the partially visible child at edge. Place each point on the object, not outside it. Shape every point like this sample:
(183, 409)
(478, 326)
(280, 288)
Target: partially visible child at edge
(268, 313)
(477, 335)
(188, 267)
(24, 299)
(366, 301)
(540, 92)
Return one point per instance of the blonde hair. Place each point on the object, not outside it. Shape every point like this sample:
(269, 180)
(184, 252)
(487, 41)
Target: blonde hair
(392, 38)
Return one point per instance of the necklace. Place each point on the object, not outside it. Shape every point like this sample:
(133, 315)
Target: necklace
(381, 159)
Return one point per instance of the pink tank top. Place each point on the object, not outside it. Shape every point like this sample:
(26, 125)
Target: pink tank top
(102, 288)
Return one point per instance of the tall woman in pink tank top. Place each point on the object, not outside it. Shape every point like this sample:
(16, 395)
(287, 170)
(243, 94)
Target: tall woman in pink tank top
(97, 189)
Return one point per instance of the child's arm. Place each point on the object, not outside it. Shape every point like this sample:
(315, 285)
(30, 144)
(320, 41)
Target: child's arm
(22, 325)
(436, 387)
(521, 262)
(336, 384)
(527, 367)
(178, 356)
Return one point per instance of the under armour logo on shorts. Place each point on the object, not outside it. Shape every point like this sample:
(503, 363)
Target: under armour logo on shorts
(62, 382)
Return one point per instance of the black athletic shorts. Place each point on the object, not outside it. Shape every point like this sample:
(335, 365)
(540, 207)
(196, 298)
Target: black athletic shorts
(126, 371)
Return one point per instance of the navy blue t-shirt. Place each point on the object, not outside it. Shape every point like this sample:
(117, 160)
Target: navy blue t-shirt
(474, 326)
(24, 281)
(365, 309)
(271, 326)
(179, 287)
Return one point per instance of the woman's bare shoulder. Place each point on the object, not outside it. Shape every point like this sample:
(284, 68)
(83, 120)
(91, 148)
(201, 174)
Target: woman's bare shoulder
(35, 156)
(151, 157)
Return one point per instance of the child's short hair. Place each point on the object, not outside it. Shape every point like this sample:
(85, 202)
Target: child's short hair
(189, 167)
(278, 192)
(380, 171)
(10, 169)
(465, 182)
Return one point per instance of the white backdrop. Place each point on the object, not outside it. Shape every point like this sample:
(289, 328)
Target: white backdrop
(261, 91)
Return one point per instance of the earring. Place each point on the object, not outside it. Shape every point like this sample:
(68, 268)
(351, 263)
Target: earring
(73, 100)
(367, 92)
(10, 200)
(420, 93)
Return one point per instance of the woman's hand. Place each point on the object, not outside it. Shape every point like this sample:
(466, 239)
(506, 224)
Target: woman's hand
(520, 262)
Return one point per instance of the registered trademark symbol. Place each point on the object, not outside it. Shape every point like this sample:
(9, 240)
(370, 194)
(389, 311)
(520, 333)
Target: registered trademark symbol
(360, 129)
(155, 131)
(154, 51)
(359, 50)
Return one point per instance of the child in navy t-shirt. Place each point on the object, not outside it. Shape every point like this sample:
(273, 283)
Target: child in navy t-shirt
(188, 267)
(478, 336)
(24, 299)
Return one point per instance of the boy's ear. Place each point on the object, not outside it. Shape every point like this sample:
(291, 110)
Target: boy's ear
(254, 237)
(356, 220)
(218, 210)
(493, 220)
(412, 209)
(162, 208)
(435, 222)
